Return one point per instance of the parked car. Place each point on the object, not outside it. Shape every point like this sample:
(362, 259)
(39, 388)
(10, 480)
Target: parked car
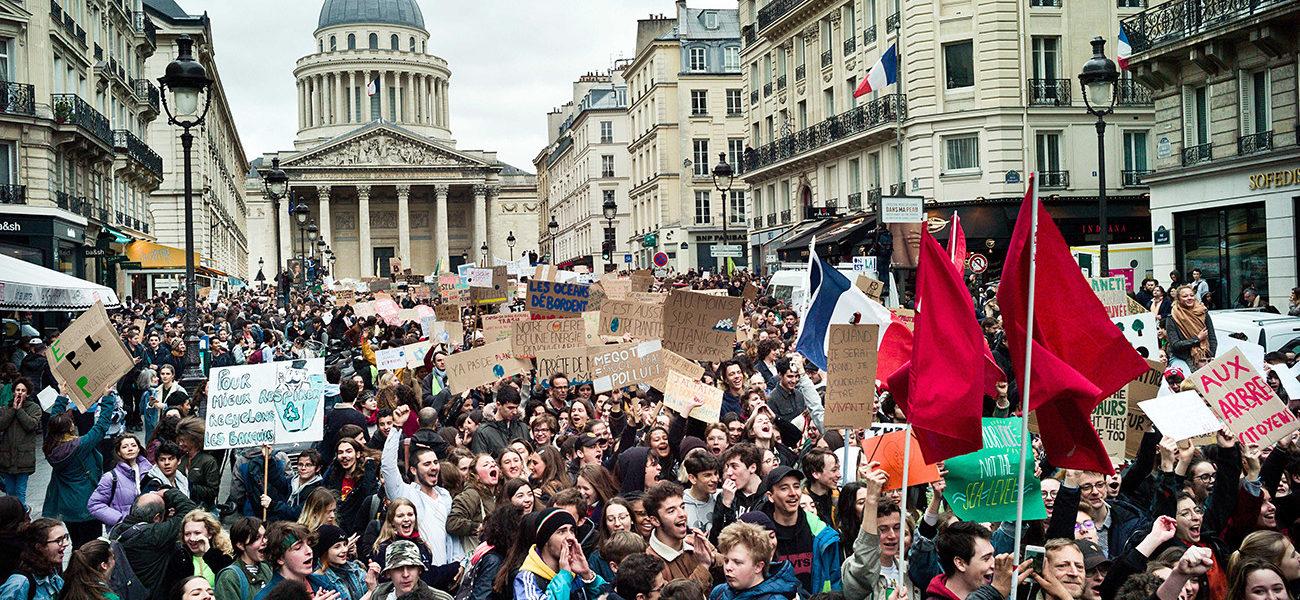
(1274, 332)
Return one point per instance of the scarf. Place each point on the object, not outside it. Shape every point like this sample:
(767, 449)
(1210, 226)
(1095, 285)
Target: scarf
(534, 564)
(1191, 322)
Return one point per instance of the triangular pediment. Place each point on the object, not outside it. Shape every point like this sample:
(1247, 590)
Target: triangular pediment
(381, 145)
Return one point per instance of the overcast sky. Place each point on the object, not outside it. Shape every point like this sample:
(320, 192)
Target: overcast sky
(511, 62)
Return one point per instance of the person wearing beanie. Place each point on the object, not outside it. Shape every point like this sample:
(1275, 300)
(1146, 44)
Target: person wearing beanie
(403, 567)
(331, 548)
(555, 563)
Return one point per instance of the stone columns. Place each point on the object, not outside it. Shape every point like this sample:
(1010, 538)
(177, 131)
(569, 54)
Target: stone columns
(301, 105)
(327, 234)
(286, 239)
(440, 242)
(399, 98)
(349, 98)
(363, 224)
(404, 224)
(492, 192)
(480, 219)
(446, 106)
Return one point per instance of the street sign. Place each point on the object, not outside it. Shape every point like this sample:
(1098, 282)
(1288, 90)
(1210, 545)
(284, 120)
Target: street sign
(978, 263)
(627, 258)
(726, 251)
(661, 259)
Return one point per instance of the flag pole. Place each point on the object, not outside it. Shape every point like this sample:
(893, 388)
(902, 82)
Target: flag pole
(1024, 382)
(902, 509)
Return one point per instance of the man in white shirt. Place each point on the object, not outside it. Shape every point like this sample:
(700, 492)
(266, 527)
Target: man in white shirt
(432, 502)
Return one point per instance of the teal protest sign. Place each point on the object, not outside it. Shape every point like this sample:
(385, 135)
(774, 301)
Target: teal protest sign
(981, 486)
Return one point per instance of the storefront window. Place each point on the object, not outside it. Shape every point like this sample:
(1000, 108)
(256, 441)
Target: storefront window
(1229, 246)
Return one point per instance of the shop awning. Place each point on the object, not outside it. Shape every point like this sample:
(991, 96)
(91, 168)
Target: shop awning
(158, 256)
(798, 234)
(25, 286)
(845, 229)
(210, 272)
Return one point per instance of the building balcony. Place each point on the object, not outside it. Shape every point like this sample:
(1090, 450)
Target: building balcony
(71, 110)
(767, 89)
(873, 198)
(76, 205)
(125, 142)
(780, 82)
(1052, 3)
(146, 93)
(1054, 180)
(13, 194)
(1132, 93)
(827, 58)
(771, 220)
(753, 97)
(1130, 4)
(850, 45)
(1255, 142)
(855, 201)
(891, 23)
(1197, 154)
(785, 217)
(1172, 22)
(869, 36)
(99, 53)
(800, 72)
(1130, 179)
(17, 99)
(830, 210)
(749, 34)
(863, 118)
(1049, 92)
(774, 11)
(145, 28)
(758, 222)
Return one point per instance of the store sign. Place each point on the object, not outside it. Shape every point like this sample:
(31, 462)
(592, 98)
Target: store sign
(1284, 178)
(10, 227)
(1161, 236)
(901, 209)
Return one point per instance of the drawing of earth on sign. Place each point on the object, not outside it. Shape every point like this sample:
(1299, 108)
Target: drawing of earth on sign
(498, 371)
(614, 324)
(296, 399)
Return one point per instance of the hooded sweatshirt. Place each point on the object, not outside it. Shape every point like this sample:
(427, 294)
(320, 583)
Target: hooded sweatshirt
(157, 480)
(76, 466)
(537, 581)
(631, 469)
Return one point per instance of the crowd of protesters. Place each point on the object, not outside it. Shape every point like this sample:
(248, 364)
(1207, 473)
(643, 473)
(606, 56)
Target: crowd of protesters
(537, 487)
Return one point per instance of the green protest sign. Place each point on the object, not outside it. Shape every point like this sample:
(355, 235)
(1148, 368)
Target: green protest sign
(981, 486)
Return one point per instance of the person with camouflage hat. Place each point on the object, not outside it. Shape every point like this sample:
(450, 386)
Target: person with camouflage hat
(403, 567)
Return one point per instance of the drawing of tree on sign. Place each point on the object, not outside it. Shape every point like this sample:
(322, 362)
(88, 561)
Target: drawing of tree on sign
(296, 401)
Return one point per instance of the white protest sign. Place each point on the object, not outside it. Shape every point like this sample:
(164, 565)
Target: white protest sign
(47, 398)
(272, 403)
(1140, 331)
(390, 358)
(479, 278)
(1181, 416)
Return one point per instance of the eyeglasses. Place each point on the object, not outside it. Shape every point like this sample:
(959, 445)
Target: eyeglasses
(1205, 478)
(62, 541)
(1092, 487)
(541, 430)
(1085, 526)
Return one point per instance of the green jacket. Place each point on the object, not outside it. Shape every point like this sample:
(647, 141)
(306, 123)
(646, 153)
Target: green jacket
(21, 429)
(232, 580)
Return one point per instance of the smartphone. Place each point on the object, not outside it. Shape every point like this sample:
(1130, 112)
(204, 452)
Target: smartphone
(1035, 554)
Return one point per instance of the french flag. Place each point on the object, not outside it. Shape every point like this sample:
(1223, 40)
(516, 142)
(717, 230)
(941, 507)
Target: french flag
(883, 73)
(372, 88)
(1124, 50)
(833, 300)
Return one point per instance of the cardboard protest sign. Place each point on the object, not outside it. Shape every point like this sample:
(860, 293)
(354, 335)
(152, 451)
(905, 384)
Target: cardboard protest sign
(549, 298)
(595, 297)
(1240, 396)
(532, 337)
(675, 362)
(699, 326)
(1110, 419)
(681, 392)
(641, 320)
(641, 280)
(376, 286)
(271, 403)
(409, 356)
(421, 292)
(1145, 387)
(451, 333)
(447, 312)
(88, 357)
(906, 316)
(479, 278)
(501, 326)
(1181, 416)
(452, 289)
(482, 365)
(850, 375)
(713, 292)
(483, 296)
(871, 287)
(616, 288)
(648, 297)
(888, 450)
(1134, 308)
(1112, 293)
(750, 292)
(573, 362)
(408, 315)
(363, 309)
(983, 486)
(622, 365)
(1141, 331)
(344, 297)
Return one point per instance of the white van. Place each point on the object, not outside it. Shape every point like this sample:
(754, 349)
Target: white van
(791, 285)
(1273, 332)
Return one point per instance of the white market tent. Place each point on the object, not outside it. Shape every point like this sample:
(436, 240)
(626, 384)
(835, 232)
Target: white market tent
(25, 286)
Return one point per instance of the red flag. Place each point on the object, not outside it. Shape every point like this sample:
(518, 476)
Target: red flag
(1079, 356)
(942, 389)
(957, 244)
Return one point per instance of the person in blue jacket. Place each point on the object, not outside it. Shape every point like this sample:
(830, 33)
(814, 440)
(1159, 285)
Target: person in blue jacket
(288, 551)
(744, 548)
(809, 545)
(76, 466)
(555, 566)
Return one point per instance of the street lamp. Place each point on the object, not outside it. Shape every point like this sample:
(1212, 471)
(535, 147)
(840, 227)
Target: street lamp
(484, 249)
(189, 88)
(554, 228)
(276, 184)
(610, 210)
(722, 172)
(1098, 79)
(300, 213)
(510, 243)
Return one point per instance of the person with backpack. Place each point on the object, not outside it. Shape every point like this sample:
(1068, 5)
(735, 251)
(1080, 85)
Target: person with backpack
(75, 466)
(38, 576)
(146, 537)
(244, 578)
(119, 487)
(348, 577)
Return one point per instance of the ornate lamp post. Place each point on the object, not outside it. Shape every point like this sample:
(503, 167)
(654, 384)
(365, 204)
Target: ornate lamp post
(510, 243)
(723, 177)
(276, 185)
(1098, 79)
(554, 228)
(186, 84)
(300, 213)
(610, 210)
(484, 250)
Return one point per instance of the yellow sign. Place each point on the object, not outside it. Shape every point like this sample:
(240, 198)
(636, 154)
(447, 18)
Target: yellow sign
(1261, 181)
(158, 256)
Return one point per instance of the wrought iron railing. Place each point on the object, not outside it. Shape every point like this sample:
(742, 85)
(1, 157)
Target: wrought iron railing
(869, 35)
(144, 25)
(821, 212)
(775, 10)
(1197, 154)
(139, 151)
(873, 198)
(13, 194)
(1056, 3)
(850, 44)
(70, 109)
(1255, 142)
(1132, 93)
(1049, 92)
(855, 201)
(758, 222)
(1054, 180)
(749, 34)
(785, 217)
(891, 23)
(880, 111)
(780, 82)
(1130, 4)
(771, 220)
(1133, 178)
(827, 57)
(767, 89)
(800, 72)
(1170, 22)
(17, 98)
(753, 97)
(146, 92)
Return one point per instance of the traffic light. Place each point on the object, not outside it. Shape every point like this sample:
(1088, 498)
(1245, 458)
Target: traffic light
(606, 250)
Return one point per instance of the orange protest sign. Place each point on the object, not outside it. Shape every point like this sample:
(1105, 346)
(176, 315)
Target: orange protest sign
(888, 451)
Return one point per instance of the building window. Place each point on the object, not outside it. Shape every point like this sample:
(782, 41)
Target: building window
(963, 154)
(1196, 113)
(734, 105)
(959, 65)
(735, 152)
(607, 165)
(849, 91)
(1230, 247)
(320, 45)
(710, 20)
(393, 43)
(352, 41)
(1256, 116)
(801, 110)
(412, 41)
(698, 61)
(1135, 152)
(1048, 146)
(850, 25)
(736, 207)
(7, 155)
(800, 53)
(606, 132)
(732, 58)
(700, 156)
(334, 43)
(374, 41)
(828, 102)
(1046, 54)
(855, 176)
(699, 102)
(703, 212)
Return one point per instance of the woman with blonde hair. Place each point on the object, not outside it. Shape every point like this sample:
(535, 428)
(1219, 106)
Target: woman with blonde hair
(1190, 331)
(402, 524)
(1270, 547)
(319, 509)
(203, 550)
